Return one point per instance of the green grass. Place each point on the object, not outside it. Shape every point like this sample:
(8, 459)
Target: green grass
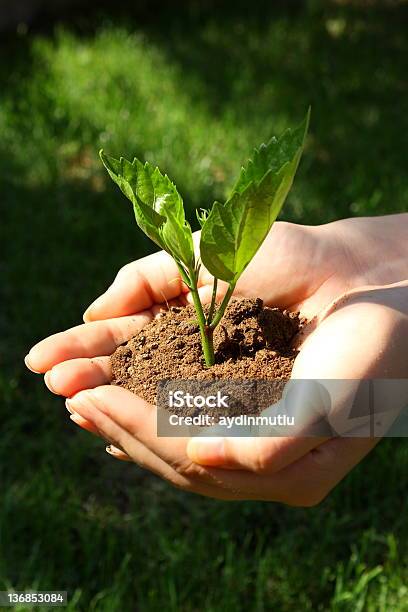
(193, 92)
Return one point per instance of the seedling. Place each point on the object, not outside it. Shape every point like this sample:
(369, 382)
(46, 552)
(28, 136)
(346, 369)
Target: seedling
(231, 233)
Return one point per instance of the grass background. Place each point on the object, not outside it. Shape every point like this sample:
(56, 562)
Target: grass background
(192, 89)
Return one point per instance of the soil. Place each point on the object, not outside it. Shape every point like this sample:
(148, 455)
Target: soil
(253, 344)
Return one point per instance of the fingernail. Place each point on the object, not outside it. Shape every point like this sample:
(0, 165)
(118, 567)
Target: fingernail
(206, 450)
(82, 399)
(68, 406)
(112, 450)
(28, 365)
(48, 382)
(87, 316)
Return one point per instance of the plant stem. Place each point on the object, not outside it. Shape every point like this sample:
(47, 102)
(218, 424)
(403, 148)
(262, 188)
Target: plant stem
(205, 324)
(205, 330)
(190, 279)
(213, 298)
(186, 279)
(220, 312)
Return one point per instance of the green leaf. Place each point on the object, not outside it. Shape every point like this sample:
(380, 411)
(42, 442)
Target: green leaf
(201, 215)
(233, 232)
(157, 205)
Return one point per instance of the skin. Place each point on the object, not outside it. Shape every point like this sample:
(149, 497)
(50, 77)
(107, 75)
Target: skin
(349, 278)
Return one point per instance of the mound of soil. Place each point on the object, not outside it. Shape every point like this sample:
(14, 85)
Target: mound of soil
(252, 341)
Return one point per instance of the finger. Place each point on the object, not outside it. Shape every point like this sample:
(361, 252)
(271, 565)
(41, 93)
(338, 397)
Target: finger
(138, 418)
(302, 483)
(69, 377)
(87, 340)
(328, 464)
(138, 286)
(305, 482)
(156, 279)
(273, 448)
(135, 416)
(83, 423)
(262, 455)
(107, 428)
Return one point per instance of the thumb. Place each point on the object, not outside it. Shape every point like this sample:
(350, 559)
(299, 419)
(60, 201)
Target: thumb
(260, 455)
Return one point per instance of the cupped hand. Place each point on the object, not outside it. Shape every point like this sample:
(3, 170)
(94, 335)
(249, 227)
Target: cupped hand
(297, 267)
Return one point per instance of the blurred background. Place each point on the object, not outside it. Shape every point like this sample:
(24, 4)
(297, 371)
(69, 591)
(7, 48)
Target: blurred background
(192, 86)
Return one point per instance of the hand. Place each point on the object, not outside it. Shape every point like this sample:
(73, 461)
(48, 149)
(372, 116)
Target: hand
(296, 471)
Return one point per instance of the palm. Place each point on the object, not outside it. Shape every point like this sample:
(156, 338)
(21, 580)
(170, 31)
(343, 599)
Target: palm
(294, 269)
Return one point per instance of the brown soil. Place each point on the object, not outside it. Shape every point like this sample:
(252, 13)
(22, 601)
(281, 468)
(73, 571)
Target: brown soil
(252, 343)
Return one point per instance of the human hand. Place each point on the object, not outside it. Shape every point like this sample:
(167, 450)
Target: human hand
(298, 267)
(298, 471)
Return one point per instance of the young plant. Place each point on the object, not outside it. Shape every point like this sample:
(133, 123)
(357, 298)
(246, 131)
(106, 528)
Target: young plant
(231, 233)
